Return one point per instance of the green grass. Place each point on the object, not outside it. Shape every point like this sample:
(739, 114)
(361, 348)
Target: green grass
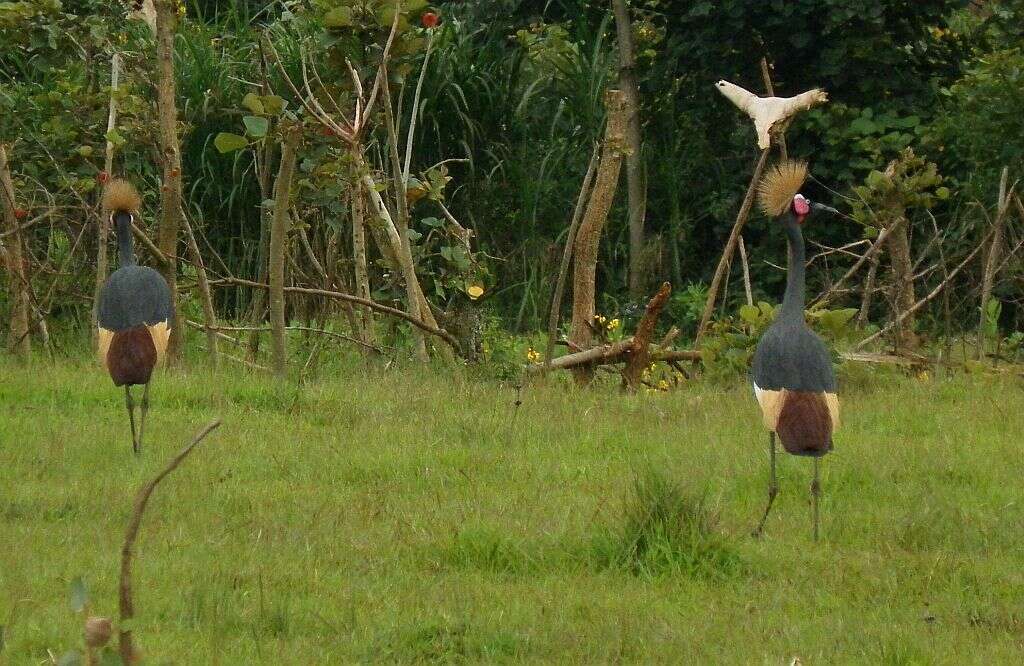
(392, 516)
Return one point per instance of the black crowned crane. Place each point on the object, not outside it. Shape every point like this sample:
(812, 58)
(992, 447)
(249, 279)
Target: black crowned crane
(134, 312)
(793, 377)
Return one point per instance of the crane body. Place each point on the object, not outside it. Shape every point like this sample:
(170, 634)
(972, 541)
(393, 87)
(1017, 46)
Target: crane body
(134, 311)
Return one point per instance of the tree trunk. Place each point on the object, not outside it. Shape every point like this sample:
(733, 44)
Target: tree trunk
(278, 240)
(992, 261)
(418, 305)
(903, 283)
(264, 166)
(18, 341)
(867, 293)
(570, 241)
(588, 237)
(634, 157)
(170, 199)
(362, 275)
(102, 224)
(402, 206)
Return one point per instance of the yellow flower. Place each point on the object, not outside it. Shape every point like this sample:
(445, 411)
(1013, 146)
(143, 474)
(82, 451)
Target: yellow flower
(532, 355)
(475, 291)
(613, 324)
(663, 385)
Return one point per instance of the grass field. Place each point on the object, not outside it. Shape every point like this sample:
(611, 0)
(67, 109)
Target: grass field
(396, 517)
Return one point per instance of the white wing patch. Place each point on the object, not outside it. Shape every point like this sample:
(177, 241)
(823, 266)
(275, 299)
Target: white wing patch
(161, 333)
(103, 344)
(771, 405)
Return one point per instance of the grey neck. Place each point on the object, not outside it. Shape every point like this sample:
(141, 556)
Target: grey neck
(793, 301)
(125, 246)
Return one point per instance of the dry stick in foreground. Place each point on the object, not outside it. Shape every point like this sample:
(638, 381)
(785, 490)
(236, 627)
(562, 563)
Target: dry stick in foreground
(589, 236)
(341, 296)
(127, 606)
(570, 241)
(988, 277)
(924, 301)
(730, 246)
(639, 350)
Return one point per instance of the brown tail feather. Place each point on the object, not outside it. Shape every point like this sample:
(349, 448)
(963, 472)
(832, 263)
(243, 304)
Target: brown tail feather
(805, 424)
(131, 356)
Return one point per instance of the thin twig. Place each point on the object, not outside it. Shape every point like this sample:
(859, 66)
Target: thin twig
(373, 305)
(127, 606)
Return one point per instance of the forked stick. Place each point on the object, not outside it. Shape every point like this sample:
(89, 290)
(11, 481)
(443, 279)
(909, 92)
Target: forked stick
(127, 607)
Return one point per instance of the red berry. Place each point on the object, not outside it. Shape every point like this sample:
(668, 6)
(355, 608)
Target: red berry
(20, 213)
(429, 20)
(102, 177)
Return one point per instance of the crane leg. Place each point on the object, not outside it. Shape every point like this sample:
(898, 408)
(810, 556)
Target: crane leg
(815, 496)
(773, 484)
(130, 406)
(144, 407)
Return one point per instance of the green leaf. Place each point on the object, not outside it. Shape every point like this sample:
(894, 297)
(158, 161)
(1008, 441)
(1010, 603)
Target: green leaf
(78, 594)
(85, 151)
(870, 232)
(253, 102)
(339, 17)
(256, 126)
(942, 193)
(750, 314)
(273, 104)
(863, 125)
(227, 142)
(876, 179)
(114, 137)
(432, 222)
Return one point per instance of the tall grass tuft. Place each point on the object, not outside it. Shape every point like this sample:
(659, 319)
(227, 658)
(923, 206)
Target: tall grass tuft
(667, 529)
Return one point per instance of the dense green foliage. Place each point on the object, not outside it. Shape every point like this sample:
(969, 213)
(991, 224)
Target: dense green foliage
(512, 92)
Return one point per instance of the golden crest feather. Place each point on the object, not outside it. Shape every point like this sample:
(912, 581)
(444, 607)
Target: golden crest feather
(779, 185)
(120, 195)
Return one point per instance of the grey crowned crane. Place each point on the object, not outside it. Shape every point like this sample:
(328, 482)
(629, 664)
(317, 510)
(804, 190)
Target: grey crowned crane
(794, 382)
(134, 310)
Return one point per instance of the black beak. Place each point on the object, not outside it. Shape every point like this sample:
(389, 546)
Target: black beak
(822, 208)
